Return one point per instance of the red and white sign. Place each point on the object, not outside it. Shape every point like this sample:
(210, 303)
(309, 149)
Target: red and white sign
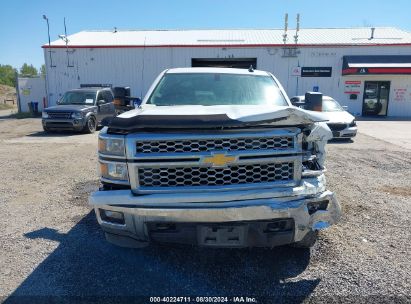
(400, 94)
(296, 71)
(352, 87)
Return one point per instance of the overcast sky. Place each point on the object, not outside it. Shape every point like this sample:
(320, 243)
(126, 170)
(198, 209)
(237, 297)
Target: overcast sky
(23, 30)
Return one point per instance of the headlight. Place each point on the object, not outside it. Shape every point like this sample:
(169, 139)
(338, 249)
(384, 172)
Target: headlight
(353, 123)
(114, 171)
(44, 115)
(111, 146)
(76, 115)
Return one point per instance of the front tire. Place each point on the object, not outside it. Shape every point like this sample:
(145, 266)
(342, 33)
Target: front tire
(308, 240)
(91, 125)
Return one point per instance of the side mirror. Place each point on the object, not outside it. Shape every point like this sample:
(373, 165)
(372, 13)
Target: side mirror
(345, 108)
(100, 102)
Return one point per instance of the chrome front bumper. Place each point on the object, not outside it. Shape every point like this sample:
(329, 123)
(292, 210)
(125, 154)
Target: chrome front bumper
(218, 208)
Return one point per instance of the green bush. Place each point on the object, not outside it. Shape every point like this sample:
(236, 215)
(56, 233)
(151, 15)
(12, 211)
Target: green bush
(8, 75)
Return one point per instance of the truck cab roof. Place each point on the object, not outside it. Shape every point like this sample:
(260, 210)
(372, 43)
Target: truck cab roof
(218, 71)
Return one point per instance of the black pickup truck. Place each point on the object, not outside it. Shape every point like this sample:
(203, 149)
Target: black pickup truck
(80, 110)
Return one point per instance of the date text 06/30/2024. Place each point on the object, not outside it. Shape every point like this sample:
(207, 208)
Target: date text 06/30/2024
(238, 299)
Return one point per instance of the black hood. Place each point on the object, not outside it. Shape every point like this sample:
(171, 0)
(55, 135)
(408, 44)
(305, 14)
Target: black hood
(69, 108)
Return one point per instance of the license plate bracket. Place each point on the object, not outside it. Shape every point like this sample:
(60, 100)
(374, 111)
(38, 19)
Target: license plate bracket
(222, 235)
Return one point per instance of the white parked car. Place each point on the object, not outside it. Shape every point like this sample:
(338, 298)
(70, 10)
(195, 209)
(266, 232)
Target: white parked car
(341, 123)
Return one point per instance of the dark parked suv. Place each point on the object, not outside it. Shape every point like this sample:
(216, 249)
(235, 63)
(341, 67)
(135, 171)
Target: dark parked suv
(79, 110)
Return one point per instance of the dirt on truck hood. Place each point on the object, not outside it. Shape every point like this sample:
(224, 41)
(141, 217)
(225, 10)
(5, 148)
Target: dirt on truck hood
(223, 116)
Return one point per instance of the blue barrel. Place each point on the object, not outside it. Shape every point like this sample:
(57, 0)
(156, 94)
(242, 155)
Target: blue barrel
(36, 107)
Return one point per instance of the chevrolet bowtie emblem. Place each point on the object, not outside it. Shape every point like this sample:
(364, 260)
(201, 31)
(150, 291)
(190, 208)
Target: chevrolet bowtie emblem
(219, 160)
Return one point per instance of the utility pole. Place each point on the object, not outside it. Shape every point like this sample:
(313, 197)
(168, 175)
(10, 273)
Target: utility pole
(48, 34)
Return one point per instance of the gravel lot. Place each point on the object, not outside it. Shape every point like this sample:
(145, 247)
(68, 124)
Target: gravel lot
(51, 244)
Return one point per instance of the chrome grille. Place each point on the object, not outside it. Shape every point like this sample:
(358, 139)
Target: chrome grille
(59, 115)
(219, 144)
(208, 176)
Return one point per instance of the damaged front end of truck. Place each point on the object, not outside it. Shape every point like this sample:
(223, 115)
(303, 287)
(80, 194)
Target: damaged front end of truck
(230, 176)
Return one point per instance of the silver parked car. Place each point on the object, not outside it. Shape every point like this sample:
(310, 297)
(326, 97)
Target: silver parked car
(341, 123)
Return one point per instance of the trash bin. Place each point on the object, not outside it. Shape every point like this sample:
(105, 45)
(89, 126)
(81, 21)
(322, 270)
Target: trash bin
(35, 107)
(30, 104)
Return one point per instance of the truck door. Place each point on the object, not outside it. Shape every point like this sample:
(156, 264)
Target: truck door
(108, 96)
(107, 107)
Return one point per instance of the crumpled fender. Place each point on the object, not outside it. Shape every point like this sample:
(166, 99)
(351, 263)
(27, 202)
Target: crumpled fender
(284, 115)
(320, 134)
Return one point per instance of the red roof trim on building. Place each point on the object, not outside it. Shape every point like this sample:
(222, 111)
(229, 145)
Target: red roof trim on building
(371, 71)
(216, 45)
(350, 71)
(389, 70)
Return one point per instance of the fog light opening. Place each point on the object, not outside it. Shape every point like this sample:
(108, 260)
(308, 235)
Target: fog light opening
(165, 227)
(276, 226)
(316, 206)
(112, 216)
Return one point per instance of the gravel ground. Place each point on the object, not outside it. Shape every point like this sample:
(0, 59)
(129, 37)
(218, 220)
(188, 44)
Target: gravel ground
(51, 244)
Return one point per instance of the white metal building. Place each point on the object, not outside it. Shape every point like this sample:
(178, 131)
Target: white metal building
(368, 70)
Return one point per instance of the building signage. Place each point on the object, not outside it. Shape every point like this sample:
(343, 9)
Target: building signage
(377, 71)
(376, 65)
(316, 71)
(352, 87)
(363, 71)
(296, 71)
(400, 94)
(290, 52)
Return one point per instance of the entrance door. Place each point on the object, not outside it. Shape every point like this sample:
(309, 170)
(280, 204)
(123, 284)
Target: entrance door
(376, 94)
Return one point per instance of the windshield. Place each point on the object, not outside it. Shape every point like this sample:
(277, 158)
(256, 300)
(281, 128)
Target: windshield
(209, 89)
(330, 105)
(81, 98)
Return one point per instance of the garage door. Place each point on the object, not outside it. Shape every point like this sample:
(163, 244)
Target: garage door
(239, 63)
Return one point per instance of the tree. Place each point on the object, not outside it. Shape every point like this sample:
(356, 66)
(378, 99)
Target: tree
(28, 70)
(8, 75)
(43, 70)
